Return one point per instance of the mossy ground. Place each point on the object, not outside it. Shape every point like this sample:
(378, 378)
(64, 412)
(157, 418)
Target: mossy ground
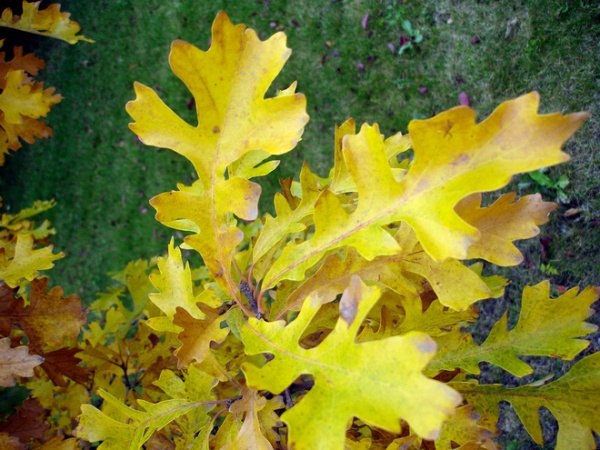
(102, 177)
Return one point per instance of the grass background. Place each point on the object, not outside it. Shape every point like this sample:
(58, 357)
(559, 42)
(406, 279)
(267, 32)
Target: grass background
(102, 177)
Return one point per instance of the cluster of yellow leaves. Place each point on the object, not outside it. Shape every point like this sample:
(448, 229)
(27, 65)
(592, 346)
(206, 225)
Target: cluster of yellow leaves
(47, 22)
(22, 99)
(39, 331)
(343, 316)
(39, 328)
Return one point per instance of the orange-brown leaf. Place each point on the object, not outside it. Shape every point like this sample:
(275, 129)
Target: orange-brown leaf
(27, 423)
(29, 63)
(63, 363)
(502, 223)
(49, 320)
(197, 334)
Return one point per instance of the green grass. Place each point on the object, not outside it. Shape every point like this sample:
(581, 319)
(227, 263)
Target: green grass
(102, 177)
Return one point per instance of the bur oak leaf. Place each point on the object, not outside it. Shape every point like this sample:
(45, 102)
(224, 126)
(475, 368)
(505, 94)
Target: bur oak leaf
(228, 82)
(28, 423)
(176, 290)
(454, 284)
(22, 97)
(348, 375)
(197, 334)
(29, 63)
(453, 158)
(573, 400)
(47, 22)
(26, 262)
(537, 333)
(63, 363)
(464, 429)
(288, 220)
(502, 223)
(131, 428)
(29, 129)
(251, 434)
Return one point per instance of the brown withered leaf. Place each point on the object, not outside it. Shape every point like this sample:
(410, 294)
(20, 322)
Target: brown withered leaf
(48, 321)
(63, 362)
(27, 423)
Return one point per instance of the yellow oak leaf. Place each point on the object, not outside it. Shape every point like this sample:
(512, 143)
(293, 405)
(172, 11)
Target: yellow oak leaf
(16, 362)
(464, 429)
(28, 130)
(503, 222)
(348, 375)
(136, 280)
(26, 262)
(453, 158)
(197, 334)
(125, 427)
(537, 333)
(24, 98)
(573, 399)
(288, 220)
(340, 179)
(176, 289)
(250, 435)
(195, 387)
(454, 284)
(228, 82)
(435, 320)
(47, 22)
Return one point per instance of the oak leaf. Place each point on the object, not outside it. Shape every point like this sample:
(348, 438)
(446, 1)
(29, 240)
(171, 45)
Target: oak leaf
(251, 434)
(24, 98)
(63, 363)
(16, 362)
(464, 429)
(29, 63)
(228, 83)
(537, 333)
(348, 375)
(28, 130)
(454, 158)
(176, 290)
(503, 222)
(198, 334)
(125, 427)
(27, 423)
(26, 262)
(454, 284)
(47, 22)
(573, 399)
(49, 321)
(195, 387)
